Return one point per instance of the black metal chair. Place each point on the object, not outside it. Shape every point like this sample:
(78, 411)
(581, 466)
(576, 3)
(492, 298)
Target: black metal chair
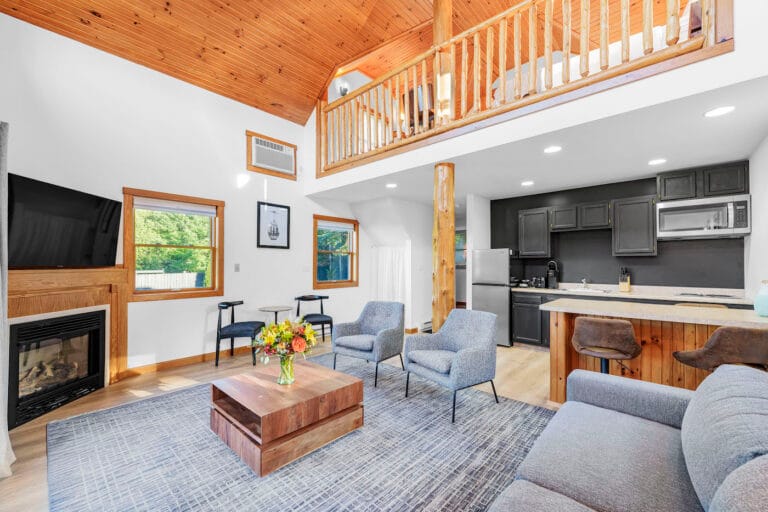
(235, 330)
(314, 319)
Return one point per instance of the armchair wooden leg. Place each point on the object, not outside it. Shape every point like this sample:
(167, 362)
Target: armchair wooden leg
(231, 347)
(494, 391)
(334, 360)
(253, 351)
(453, 412)
(218, 344)
(407, 381)
(322, 328)
(376, 375)
(401, 361)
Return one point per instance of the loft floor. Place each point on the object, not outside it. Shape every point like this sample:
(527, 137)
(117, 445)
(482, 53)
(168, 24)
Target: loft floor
(522, 374)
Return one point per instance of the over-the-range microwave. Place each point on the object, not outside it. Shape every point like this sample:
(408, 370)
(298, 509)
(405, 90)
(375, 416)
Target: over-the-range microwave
(710, 217)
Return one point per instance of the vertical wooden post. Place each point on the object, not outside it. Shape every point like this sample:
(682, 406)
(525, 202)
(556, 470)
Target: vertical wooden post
(322, 137)
(443, 245)
(442, 31)
(566, 41)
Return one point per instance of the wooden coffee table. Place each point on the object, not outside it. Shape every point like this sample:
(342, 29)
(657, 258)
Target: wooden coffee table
(269, 425)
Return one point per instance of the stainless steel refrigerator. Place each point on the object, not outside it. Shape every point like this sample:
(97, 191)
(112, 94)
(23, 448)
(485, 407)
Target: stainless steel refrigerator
(491, 270)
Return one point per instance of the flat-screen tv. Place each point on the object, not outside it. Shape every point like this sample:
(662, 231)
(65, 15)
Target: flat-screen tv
(56, 227)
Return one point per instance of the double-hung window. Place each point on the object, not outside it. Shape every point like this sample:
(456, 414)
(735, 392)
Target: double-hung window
(335, 252)
(173, 245)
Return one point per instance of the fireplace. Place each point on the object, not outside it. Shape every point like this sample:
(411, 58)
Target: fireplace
(52, 362)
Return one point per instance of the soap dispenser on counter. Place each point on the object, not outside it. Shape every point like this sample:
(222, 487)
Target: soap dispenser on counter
(625, 280)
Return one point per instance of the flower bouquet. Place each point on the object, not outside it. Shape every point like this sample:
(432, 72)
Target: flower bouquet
(285, 339)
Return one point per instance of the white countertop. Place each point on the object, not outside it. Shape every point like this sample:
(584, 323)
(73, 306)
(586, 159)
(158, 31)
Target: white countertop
(670, 293)
(660, 312)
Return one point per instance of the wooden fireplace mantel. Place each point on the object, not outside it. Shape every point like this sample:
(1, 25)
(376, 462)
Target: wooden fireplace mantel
(33, 292)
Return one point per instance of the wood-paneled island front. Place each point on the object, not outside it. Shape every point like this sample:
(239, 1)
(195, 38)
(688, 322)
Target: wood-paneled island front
(660, 329)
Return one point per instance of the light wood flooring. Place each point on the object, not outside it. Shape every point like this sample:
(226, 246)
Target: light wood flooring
(522, 374)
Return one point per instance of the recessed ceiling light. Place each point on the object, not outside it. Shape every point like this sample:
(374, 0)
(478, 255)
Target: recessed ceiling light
(552, 149)
(657, 161)
(527, 183)
(719, 111)
(391, 185)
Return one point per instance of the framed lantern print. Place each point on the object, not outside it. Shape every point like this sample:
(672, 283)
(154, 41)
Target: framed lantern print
(274, 226)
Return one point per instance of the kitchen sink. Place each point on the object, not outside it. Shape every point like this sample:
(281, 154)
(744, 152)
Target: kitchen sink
(588, 290)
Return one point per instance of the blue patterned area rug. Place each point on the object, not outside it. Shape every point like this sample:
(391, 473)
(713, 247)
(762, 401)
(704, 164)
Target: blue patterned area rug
(159, 454)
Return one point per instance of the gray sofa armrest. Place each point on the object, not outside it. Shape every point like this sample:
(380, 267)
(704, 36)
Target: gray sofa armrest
(655, 402)
(388, 343)
(347, 329)
(473, 366)
(422, 342)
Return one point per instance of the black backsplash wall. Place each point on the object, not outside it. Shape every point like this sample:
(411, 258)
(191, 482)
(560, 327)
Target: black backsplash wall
(587, 254)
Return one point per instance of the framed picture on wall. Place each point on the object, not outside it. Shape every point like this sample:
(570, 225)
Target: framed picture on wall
(273, 226)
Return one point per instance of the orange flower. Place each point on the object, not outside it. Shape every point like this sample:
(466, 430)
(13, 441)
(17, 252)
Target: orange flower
(299, 345)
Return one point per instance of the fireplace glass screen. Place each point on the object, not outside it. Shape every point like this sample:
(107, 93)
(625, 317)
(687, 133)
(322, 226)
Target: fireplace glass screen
(48, 364)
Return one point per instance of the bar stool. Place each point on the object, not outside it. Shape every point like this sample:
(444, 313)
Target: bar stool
(605, 339)
(313, 319)
(729, 345)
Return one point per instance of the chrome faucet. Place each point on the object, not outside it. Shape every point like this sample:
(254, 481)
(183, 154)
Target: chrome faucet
(584, 283)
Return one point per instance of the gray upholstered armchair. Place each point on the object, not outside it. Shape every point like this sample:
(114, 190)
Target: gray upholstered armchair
(376, 335)
(461, 354)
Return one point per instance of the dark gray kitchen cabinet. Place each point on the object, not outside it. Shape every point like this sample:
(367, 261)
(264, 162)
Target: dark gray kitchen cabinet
(677, 185)
(595, 215)
(533, 233)
(634, 226)
(563, 218)
(729, 179)
(526, 318)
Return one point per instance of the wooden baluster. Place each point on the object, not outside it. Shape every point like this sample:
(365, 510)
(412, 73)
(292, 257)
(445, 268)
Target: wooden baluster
(323, 137)
(584, 39)
(503, 61)
(476, 73)
(453, 81)
(604, 35)
(435, 80)
(566, 41)
(360, 125)
(343, 129)
(464, 76)
(648, 26)
(624, 30)
(334, 137)
(517, 51)
(407, 102)
(673, 21)
(424, 96)
(533, 68)
(489, 67)
(416, 124)
(396, 113)
(353, 126)
(376, 120)
(548, 8)
(708, 22)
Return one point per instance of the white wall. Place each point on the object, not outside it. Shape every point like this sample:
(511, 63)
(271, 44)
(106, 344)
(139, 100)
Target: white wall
(84, 119)
(756, 244)
(745, 63)
(478, 233)
(354, 80)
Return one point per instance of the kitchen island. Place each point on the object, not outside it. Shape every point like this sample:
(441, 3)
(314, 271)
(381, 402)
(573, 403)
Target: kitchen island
(659, 328)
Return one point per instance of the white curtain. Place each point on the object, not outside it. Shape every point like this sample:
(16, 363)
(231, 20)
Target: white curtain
(389, 271)
(6, 453)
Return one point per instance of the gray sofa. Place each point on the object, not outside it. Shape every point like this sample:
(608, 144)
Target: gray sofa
(619, 444)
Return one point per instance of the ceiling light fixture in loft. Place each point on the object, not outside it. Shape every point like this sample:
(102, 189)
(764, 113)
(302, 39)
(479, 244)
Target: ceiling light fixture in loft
(527, 183)
(719, 111)
(657, 161)
(391, 185)
(552, 149)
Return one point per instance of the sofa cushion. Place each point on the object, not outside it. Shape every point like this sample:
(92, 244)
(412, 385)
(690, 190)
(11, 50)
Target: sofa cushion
(725, 426)
(525, 496)
(609, 460)
(745, 489)
(436, 360)
(363, 342)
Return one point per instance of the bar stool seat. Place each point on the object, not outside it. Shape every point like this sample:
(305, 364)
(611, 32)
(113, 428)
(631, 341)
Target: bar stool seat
(729, 345)
(605, 339)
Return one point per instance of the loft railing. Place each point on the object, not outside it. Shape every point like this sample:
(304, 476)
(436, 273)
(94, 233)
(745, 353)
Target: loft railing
(533, 51)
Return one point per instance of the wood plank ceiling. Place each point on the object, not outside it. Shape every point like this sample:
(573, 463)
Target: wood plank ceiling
(275, 56)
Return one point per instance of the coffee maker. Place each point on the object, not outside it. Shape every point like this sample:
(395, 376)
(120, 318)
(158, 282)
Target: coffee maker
(552, 275)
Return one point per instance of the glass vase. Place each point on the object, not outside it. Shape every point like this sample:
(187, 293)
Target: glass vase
(286, 370)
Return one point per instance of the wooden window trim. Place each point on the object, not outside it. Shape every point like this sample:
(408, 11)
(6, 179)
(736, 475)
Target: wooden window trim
(248, 154)
(324, 285)
(129, 247)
